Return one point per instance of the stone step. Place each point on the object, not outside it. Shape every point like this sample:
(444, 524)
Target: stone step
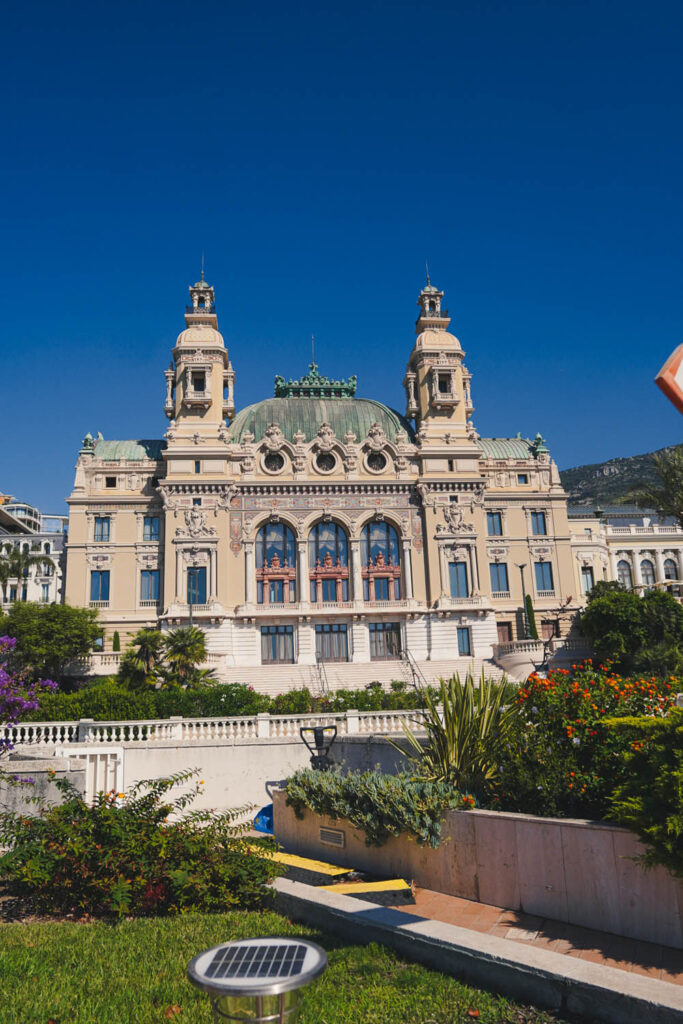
(275, 679)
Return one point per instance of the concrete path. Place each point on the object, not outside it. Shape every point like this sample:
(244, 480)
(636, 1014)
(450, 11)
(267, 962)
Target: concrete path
(644, 958)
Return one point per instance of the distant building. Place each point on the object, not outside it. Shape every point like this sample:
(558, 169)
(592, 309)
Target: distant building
(23, 526)
(624, 543)
(316, 532)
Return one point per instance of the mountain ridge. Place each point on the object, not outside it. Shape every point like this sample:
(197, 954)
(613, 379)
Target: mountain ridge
(613, 481)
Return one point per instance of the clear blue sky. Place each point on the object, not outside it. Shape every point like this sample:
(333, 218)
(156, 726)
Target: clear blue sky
(318, 154)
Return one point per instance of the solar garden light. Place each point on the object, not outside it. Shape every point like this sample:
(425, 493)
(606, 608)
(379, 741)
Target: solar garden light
(257, 979)
(322, 739)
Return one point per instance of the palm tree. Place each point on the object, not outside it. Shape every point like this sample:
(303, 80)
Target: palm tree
(665, 492)
(147, 645)
(15, 564)
(184, 650)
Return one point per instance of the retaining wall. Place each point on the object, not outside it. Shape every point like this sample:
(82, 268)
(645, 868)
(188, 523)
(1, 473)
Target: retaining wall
(571, 870)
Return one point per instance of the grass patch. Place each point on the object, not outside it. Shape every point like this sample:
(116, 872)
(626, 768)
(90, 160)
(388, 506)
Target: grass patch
(135, 971)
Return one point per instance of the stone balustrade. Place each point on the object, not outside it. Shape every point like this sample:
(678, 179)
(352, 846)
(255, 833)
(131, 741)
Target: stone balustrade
(202, 730)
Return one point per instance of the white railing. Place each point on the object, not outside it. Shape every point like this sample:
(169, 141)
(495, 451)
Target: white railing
(500, 595)
(545, 593)
(99, 604)
(203, 730)
(149, 604)
(519, 647)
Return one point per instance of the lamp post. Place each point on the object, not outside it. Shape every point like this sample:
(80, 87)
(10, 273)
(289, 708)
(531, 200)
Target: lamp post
(257, 979)
(521, 568)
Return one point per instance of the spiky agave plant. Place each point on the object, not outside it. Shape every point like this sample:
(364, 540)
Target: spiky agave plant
(463, 734)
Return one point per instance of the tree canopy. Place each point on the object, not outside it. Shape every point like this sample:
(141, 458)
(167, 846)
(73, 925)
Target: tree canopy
(639, 634)
(49, 637)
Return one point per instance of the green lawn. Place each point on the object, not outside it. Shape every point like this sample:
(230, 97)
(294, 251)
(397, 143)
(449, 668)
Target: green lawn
(134, 973)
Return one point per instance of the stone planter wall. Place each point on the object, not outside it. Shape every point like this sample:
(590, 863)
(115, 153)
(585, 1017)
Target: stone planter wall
(570, 870)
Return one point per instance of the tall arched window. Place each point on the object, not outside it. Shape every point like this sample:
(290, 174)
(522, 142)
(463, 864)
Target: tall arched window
(647, 572)
(328, 563)
(670, 569)
(624, 574)
(46, 549)
(275, 565)
(380, 563)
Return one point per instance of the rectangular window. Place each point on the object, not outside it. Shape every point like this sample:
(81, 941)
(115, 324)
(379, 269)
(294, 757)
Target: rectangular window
(12, 593)
(197, 466)
(277, 645)
(538, 524)
(198, 381)
(45, 595)
(149, 585)
(457, 572)
(99, 585)
(110, 481)
(522, 478)
(499, 577)
(444, 383)
(381, 589)
(549, 629)
(544, 576)
(464, 641)
(587, 579)
(385, 641)
(102, 528)
(331, 642)
(196, 585)
(451, 465)
(150, 528)
(196, 502)
(494, 524)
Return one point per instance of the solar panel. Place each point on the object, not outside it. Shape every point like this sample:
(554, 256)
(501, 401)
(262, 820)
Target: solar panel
(257, 961)
(258, 966)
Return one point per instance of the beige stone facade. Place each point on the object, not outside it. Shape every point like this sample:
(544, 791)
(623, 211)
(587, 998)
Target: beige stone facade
(318, 528)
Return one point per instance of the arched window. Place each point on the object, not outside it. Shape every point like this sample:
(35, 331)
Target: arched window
(624, 574)
(275, 564)
(670, 569)
(380, 563)
(647, 572)
(46, 549)
(328, 563)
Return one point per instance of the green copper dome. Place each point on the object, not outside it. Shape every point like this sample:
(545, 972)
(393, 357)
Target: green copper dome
(307, 415)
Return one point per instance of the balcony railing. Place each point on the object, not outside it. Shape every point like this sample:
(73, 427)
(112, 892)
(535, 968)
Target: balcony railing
(545, 593)
(211, 308)
(149, 604)
(99, 604)
(501, 595)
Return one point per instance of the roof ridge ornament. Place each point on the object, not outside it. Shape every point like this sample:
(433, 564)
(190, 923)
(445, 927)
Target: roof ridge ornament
(314, 385)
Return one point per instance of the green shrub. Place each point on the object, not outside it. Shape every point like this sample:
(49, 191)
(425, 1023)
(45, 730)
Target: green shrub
(124, 856)
(379, 805)
(562, 758)
(637, 633)
(107, 698)
(116, 641)
(649, 799)
(464, 733)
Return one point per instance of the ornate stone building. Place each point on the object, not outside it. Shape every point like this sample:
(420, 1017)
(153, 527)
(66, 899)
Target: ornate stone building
(319, 534)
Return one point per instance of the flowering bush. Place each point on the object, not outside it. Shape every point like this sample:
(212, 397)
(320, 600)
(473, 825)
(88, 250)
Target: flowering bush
(133, 853)
(16, 696)
(563, 758)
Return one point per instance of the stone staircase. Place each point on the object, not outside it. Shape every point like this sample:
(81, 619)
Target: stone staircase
(274, 679)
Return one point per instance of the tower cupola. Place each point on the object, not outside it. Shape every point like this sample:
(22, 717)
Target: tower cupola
(431, 316)
(203, 304)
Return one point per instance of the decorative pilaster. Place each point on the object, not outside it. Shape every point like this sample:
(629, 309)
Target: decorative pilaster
(250, 595)
(659, 565)
(407, 570)
(302, 573)
(356, 579)
(637, 575)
